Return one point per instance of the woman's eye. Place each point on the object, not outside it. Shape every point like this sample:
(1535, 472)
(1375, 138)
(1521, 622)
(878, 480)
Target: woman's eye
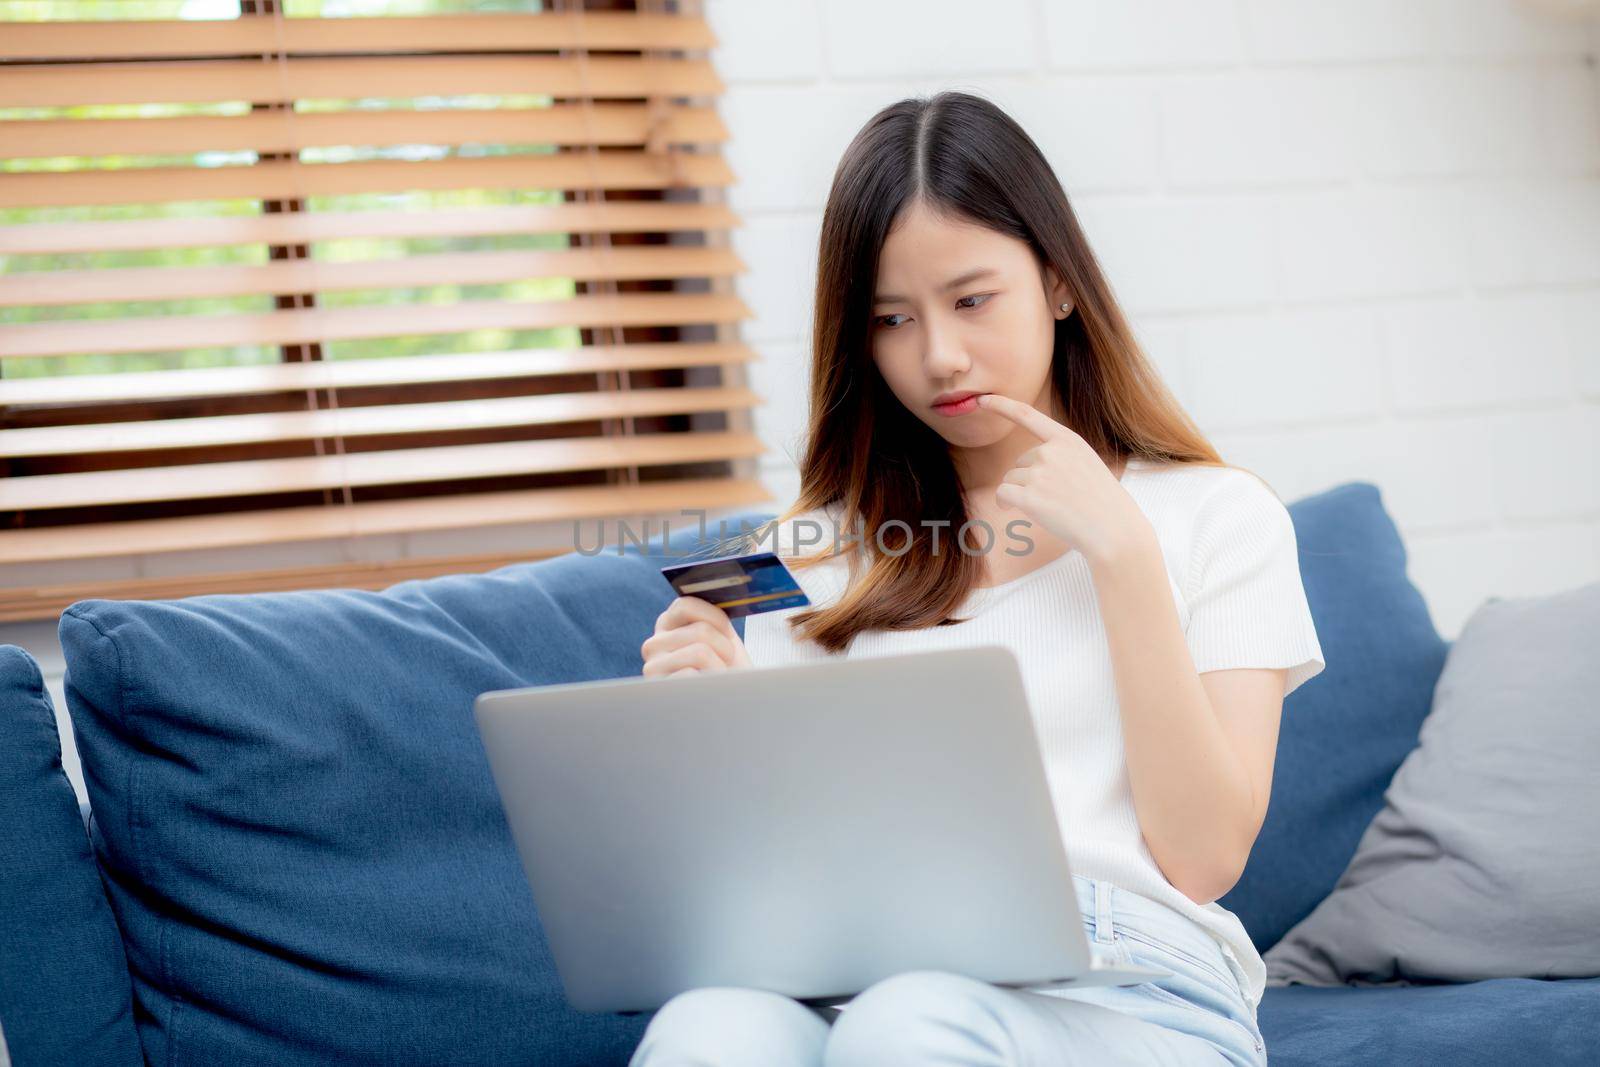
(883, 320)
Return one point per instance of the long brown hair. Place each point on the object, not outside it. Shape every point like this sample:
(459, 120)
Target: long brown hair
(873, 461)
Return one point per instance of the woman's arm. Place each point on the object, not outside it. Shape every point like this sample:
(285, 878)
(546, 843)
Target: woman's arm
(1200, 748)
(1199, 751)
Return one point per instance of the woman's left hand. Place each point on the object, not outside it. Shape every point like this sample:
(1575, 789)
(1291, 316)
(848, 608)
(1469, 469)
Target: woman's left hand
(1063, 485)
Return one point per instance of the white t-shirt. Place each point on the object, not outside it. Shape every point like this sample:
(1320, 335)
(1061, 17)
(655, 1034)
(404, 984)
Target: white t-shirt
(1231, 557)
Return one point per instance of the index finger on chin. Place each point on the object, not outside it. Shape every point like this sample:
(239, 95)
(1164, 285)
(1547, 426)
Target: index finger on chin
(1027, 416)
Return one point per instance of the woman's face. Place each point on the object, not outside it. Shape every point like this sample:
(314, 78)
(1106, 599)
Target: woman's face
(961, 308)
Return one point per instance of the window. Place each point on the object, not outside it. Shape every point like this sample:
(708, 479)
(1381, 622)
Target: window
(329, 268)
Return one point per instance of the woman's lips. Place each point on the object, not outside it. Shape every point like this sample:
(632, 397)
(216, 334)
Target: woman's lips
(960, 407)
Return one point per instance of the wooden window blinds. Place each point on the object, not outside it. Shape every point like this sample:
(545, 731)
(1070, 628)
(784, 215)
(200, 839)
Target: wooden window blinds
(284, 277)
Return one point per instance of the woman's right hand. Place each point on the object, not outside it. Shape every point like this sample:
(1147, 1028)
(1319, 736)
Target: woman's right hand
(693, 636)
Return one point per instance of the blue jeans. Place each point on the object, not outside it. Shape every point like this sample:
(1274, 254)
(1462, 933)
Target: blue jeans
(1198, 1015)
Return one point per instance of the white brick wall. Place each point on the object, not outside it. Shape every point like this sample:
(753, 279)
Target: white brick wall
(1361, 240)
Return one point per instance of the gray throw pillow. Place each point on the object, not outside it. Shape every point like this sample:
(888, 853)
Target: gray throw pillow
(1485, 859)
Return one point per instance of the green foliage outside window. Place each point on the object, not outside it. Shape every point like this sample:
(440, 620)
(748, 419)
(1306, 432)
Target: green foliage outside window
(328, 251)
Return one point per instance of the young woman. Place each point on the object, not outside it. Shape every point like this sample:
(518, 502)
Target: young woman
(1151, 593)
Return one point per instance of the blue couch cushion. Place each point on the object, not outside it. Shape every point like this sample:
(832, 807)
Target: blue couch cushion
(300, 833)
(64, 993)
(1344, 733)
(1503, 1022)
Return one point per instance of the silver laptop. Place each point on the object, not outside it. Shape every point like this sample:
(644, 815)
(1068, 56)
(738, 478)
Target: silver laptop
(808, 830)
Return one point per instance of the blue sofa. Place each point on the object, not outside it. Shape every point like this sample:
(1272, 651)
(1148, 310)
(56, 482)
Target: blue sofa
(296, 854)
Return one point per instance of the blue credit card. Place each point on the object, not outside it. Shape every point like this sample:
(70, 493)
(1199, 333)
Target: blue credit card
(739, 585)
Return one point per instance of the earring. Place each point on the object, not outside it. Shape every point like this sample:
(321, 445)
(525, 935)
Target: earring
(1066, 307)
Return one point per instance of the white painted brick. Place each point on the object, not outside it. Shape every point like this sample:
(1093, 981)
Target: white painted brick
(875, 38)
(1261, 370)
(787, 141)
(1369, 242)
(1191, 253)
(1443, 471)
(1458, 571)
(1546, 463)
(1162, 342)
(1298, 463)
(1457, 353)
(1581, 314)
(1418, 120)
(1141, 34)
(1301, 31)
(1517, 119)
(1100, 134)
(1258, 128)
(780, 286)
(1430, 475)
(1453, 569)
(1330, 123)
(764, 40)
(1568, 110)
(1505, 29)
(1535, 232)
